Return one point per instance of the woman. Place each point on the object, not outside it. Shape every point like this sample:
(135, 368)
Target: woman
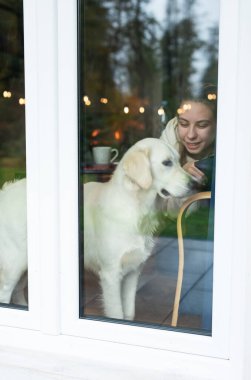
(192, 132)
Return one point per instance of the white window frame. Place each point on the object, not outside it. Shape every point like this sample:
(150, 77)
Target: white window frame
(52, 322)
(217, 345)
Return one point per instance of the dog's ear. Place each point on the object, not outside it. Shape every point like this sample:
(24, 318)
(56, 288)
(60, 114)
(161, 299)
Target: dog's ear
(137, 167)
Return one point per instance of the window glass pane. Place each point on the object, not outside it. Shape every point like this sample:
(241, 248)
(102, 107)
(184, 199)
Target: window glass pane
(13, 261)
(147, 69)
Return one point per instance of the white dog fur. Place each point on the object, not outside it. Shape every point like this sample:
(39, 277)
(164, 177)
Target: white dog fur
(119, 224)
(13, 242)
(120, 219)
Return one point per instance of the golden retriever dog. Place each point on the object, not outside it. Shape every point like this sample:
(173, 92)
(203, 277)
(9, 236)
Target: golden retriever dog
(120, 219)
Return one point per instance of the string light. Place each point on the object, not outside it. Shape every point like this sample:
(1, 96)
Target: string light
(211, 96)
(104, 100)
(87, 100)
(126, 109)
(141, 109)
(21, 101)
(161, 111)
(186, 106)
(117, 135)
(95, 133)
(7, 94)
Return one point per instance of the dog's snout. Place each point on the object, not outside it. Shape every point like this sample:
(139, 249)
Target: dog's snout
(165, 192)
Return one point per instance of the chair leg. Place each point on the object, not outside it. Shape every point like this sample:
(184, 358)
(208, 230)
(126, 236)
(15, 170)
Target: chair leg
(180, 270)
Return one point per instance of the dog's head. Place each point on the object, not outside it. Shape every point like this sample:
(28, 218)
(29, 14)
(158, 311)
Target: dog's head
(152, 164)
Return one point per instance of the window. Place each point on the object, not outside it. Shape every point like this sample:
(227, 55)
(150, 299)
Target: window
(158, 78)
(52, 322)
(14, 286)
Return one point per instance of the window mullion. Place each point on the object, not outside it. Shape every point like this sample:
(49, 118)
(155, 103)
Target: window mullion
(47, 123)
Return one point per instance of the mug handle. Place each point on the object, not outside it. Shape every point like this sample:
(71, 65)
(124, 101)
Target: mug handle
(115, 153)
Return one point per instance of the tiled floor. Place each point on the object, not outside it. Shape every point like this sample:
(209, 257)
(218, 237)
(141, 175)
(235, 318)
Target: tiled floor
(156, 289)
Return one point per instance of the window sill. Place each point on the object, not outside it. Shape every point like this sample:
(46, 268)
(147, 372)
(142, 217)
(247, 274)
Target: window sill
(30, 354)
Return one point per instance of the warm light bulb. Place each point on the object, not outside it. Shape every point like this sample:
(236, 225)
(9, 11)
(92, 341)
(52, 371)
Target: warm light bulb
(7, 94)
(126, 109)
(187, 107)
(21, 101)
(141, 109)
(104, 100)
(95, 132)
(161, 111)
(211, 96)
(117, 135)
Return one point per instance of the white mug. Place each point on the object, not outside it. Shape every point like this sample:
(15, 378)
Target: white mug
(102, 154)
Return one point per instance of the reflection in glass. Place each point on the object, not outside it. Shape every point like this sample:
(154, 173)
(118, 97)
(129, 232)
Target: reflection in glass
(141, 64)
(13, 279)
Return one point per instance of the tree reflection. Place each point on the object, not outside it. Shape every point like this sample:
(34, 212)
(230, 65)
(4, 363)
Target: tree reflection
(180, 42)
(12, 97)
(131, 59)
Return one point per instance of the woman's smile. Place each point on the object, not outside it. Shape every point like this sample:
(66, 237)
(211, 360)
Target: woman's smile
(192, 145)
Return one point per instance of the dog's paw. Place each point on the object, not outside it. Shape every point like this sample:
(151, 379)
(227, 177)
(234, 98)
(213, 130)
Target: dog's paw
(129, 317)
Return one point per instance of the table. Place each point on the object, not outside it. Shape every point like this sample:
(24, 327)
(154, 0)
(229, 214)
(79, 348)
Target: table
(98, 173)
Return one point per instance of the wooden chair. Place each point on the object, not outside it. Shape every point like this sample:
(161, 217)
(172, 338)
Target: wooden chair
(186, 204)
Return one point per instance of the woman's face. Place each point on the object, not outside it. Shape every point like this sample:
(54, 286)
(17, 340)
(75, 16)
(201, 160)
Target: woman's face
(196, 128)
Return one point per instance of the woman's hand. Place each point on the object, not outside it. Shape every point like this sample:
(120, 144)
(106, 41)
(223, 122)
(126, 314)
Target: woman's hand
(190, 168)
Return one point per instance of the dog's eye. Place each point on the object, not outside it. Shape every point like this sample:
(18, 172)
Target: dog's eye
(167, 163)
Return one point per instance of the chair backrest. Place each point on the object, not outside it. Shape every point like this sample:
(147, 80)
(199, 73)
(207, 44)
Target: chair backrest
(193, 198)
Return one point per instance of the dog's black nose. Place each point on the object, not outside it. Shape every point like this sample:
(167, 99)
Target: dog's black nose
(165, 192)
